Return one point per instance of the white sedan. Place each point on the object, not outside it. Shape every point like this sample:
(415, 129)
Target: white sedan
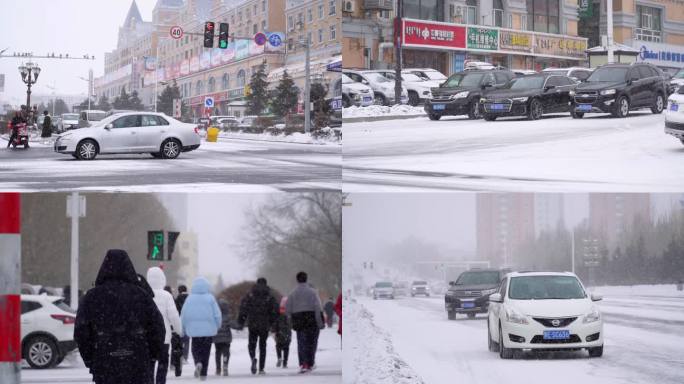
(131, 132)
(47, 330)
(543, 311)
(674, 115)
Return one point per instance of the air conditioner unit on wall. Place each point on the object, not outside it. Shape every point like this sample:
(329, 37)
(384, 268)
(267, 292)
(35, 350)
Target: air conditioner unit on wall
(348, 6)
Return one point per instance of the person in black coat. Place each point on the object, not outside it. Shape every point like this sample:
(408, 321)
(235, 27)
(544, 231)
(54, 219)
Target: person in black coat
(119, 329)
(223, 339)
(180, 300)
(259, 310)
(283, 335)
(47, 126)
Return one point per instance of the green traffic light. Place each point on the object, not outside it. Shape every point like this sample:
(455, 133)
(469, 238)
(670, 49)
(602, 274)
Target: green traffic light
(155, 252)
(223, 44)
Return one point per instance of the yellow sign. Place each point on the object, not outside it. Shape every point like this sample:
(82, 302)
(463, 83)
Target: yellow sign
(248, 90)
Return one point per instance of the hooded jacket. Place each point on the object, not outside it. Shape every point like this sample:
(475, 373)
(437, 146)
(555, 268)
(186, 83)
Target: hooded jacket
(304, 306)
(167, 307)
(224, 334)
(200, 316)
(118, 324)
(258, 309)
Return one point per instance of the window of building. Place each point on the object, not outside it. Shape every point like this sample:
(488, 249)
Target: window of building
(320, 11)
(241, 78)
(247, 12)
(424, 9)
(263, 25)
(649, 25)
(498, 13)
(225, 81)
(254, 9)
(470, 12)
(543, 16)
(255, 29)
(290, 22)
(211, 85)
(309, 15)
(333, 5)
(320, 35)
(333, 32)
(199, 88)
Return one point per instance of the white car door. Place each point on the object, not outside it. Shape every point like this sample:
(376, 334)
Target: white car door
(29, 309)
(495, 310)
(122, 136)
(151, 133)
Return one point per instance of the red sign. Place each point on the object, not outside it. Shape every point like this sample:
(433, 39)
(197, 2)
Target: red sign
(435, 35)
(176, 32)
(10, 341)
(260, 38)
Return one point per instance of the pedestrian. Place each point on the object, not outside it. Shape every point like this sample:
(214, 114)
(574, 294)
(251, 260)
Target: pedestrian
(47, 126)
(329, 309)
(338, 310)
(259, 310)
(304, 308)
(201, 319)
(119, 330)
(172, 324)
(222, 340)
(283, 334)
(168, 289)
(16, 120)
(180, 300)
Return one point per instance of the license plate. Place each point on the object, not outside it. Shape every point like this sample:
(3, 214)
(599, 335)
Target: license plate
(674, 107)
(584, 107)
(367, 99)
(467, 305)
(497, 107)
(556, 335)
(438, 107)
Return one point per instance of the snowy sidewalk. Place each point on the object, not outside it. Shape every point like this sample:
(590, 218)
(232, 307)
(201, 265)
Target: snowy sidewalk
(372, 113)
(328, 366)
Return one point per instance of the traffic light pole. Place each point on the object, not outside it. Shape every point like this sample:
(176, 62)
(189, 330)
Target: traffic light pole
(75, 214)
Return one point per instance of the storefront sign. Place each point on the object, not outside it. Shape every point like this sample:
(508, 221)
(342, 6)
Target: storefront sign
(483, 38)
(516, 41)
(663, 55)
(433, 35)
(560, 46)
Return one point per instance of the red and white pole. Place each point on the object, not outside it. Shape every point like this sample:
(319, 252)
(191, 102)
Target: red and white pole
(10, 288)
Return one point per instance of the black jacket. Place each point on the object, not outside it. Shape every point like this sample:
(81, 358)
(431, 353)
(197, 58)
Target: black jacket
(258, 309)
(180, 300)
(224, 334)
(119, 329)
(283, 330)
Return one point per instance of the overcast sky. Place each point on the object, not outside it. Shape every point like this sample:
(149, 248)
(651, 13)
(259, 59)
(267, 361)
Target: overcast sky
(76, 27)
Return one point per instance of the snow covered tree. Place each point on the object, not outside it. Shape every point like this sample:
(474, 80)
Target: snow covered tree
(135, 103)
(165, 100)
(122, 101)
(285, 97)
(257, 99)
(103, 104)
(321, 107)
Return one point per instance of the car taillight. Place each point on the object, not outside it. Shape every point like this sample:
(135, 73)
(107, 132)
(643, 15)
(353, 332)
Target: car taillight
(197, 128)
(65, 319)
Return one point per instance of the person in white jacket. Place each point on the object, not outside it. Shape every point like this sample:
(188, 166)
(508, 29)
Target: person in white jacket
(167, 306)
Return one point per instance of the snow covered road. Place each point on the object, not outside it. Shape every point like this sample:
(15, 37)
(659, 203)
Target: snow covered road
(554, 154)
(328, 362)
(644, 344)
(226, 166)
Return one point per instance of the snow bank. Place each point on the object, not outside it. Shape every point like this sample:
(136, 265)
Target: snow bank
(380, 110)
(369, 357)
(297, 137)
(661, 290)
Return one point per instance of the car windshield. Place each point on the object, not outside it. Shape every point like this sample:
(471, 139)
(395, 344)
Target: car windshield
(63, 306)
(464, 80)
(70, 116)
(410, 77)
(679, 74)
(96, 116)
(419, 283)
(545, 288)
(561, 72)
(383, 284)
(478, 278)
(434, 75)
(527, 82)
(346, 79)
(608, 74)
(376, 77)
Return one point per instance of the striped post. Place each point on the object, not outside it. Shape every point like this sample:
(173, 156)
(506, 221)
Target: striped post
(10, 288)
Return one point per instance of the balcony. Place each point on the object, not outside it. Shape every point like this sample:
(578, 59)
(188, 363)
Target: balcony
(644, 34)
(377, 5)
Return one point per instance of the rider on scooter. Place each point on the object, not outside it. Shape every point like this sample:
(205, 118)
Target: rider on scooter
(16, 120)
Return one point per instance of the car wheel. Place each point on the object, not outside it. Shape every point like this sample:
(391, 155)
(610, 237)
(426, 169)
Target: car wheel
(621, 107)
(156, 155)
(434, 116)
(86, 150)
(659, 105)
(536, 110)
(493, 347)
(451, 315)
(413, 98)
(41, 352)
(474, 110)
(170, 149)
(681, 141)
(489, 117)
(504, 353)
(596, 351)
(576, 115)
(471, 315)
(380, 100)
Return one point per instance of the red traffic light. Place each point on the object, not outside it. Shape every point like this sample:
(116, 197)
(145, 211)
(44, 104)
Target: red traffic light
(209, 25)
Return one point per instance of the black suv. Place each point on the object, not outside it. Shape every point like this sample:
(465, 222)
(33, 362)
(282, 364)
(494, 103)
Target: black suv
(530, 96)
(460, 94)
(620, 88)
(469, 294)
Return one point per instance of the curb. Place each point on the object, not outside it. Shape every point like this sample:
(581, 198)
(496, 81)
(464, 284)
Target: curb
(370, 119)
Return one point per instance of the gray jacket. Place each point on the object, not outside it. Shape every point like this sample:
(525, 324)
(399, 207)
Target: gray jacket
(304, 299)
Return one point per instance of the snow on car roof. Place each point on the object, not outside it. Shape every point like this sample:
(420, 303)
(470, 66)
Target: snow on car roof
(539, 273)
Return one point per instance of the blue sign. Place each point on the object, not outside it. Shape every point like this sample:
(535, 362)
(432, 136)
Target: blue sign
(208, 102)
(275, 39)
(665, 55)
(260, 38)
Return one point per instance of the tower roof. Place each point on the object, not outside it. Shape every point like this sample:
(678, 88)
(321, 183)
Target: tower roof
(133, 13)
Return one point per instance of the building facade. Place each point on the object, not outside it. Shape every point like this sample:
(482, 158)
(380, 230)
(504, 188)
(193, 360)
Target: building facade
(610, 214)
(549, 212)
(504, 222)
(444, 34)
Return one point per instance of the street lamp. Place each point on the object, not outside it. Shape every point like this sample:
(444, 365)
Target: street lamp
(306, 43)
(29, 75)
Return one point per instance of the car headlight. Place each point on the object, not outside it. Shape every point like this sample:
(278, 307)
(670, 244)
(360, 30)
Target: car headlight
(460, 95)
(450, 293)
(571, 93)
(489, 291)
(513, 316)
(426, 93)
(520, 99)
(608, 92)
(592, 316)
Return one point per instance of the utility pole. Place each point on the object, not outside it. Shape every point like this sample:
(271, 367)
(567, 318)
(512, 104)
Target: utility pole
(75, 210)
(307, 88)
(572, 252)
(398, 33)
(609, 25)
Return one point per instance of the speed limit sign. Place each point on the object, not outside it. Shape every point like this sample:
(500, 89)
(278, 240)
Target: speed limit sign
(176, 32)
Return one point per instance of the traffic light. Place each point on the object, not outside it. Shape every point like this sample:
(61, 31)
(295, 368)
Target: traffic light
(209, 34)
(223, 35)
(155, 245)
(173, 236)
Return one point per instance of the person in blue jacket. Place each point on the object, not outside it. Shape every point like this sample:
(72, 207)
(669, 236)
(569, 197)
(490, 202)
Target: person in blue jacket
(201, 319)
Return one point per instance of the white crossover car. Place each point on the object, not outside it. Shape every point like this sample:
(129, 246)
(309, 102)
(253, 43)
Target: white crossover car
(674, 115)
(543, 311)
(132, 132)
(47, 330)
(383, 88)
(383, 289)
(354, 93)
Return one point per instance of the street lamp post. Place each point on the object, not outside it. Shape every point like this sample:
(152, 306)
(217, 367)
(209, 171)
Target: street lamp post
(29, 75)
(306, 43)
(398, 65)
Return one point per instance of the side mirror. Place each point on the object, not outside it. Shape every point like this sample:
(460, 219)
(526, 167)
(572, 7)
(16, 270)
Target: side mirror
(488, 84)
(549, 87)
(596, 297)
(496, 298)
(452, 283)
(108, 126)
